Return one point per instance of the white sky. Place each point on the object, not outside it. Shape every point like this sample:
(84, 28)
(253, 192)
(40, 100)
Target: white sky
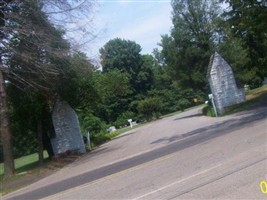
(142, 21)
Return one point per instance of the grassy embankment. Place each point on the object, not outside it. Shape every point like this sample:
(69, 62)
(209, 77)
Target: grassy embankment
(23, 166)
(254, 98)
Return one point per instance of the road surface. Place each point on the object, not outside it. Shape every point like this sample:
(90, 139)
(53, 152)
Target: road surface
(186, 156)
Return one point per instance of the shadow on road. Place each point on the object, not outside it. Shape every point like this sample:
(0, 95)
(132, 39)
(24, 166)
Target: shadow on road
(243, 119)
(200, 135)
(189, 116)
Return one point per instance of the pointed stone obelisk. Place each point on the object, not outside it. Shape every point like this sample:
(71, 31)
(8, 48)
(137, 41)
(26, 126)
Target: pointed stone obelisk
(223, 85)
(68, 133)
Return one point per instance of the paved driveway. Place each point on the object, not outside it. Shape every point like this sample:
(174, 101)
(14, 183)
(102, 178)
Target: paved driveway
(186, 156)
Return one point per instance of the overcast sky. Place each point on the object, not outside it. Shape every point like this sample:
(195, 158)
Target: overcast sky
(143, 21)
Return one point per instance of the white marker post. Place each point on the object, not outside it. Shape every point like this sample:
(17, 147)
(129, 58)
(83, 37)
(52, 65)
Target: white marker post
(130, 121)
(88, 140)
(213, 104)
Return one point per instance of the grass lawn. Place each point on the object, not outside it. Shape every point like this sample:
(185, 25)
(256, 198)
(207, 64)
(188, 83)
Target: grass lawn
(253, 97)
(30, 162)
(24, 166)
(24, 163)
(256, 92)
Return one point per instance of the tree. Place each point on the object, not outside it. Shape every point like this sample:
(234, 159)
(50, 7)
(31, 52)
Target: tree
(145, 77)
(113, 91)
(33, 57)
(76, 84)
(234, 51)
(191, 43)
(6, 135)
(30, 122)
(123, 55)
(75, 18)
(247, 20)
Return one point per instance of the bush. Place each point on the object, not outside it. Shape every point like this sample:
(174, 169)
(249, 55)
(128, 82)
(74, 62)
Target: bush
(149, 107)
(183, 104)
(208, 111)
(93, 124)
(123, 119)
(99, 138)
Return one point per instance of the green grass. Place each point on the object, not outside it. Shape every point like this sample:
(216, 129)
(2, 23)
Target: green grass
(30, 162)
(253, 97)
(101, 138)
(208, 111)
(178, 112)
(24, 163)
(170, 114)
(245, 105)
(257, 90)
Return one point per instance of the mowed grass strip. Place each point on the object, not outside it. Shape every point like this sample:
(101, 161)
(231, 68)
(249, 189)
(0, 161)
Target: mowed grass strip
(251, 94)
(25, 163)
(255, 97)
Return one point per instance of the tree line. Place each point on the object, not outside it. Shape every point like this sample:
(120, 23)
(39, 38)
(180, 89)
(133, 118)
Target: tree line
(37, 65)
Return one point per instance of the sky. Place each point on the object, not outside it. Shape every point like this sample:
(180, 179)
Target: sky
(142, 21)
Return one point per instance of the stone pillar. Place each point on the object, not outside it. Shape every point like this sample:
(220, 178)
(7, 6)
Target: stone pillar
(223, 85)
(68, 133)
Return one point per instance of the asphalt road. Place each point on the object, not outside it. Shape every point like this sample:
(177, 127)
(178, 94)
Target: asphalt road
(186, 156)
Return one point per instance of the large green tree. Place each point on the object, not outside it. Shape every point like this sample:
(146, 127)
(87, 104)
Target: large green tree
(123, 55)
(76, 85)
(187, 50)
(247, 19)
(30, 122)
(145, 77)
(234, 51)
(34, 56)
(113, 91)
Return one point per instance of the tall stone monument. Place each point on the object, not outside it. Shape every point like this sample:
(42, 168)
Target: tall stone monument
(68, 133)
(223, 85)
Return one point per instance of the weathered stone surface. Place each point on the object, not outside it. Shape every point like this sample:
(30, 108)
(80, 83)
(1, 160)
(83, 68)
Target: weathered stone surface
(223, 84)
(67, 129)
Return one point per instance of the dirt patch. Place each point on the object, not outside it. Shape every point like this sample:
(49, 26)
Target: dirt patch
(24, 179)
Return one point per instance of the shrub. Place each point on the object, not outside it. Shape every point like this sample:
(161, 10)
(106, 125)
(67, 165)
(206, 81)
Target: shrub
(183, 104)
(208, 111)
(122, 119)
(149, 107)
(93, 124)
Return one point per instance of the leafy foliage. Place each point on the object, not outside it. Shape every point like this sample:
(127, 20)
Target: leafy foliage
(113, 90)
(124, 55)
(248, 23)
(188, 48)
(122, 120)
(38, 64)
(149, 107)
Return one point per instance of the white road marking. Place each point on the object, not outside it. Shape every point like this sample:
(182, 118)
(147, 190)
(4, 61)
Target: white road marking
(56, 196)
(177, 182)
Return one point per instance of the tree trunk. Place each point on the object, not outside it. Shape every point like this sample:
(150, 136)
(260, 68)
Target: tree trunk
(6, 135)
(40, 141)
